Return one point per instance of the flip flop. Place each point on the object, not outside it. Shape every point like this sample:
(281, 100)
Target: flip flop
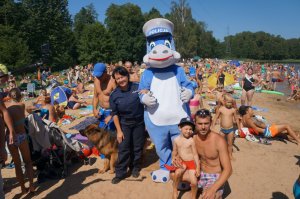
(10, 166)
(264, 141)
(251, 138)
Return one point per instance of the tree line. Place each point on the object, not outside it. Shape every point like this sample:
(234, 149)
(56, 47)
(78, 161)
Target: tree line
(34, 31)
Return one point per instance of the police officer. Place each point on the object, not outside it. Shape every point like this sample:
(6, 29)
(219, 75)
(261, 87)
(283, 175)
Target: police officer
(128, 117)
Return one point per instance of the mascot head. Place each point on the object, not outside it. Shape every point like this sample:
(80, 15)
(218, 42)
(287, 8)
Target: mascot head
(160, 44)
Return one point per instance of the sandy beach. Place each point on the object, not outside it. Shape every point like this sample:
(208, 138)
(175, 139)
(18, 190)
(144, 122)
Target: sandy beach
(259, 171)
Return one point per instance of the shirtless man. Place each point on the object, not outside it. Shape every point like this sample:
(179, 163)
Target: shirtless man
(133, 76)
(276, 75)
(213, 154)
(258, 127)
(104, 84)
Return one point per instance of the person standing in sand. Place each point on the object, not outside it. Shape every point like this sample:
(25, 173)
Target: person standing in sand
(215, 163)
(258, 127)
(248, 84)
(5, 119)
(17, 111)
(184, 147)
(104, 84)
(227, 113)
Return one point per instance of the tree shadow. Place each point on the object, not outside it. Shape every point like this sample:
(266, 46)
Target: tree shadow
(279, 195)
(72, 184)
(149, 157)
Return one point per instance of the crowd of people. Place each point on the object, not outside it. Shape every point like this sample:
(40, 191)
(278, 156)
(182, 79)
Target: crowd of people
(201, 155)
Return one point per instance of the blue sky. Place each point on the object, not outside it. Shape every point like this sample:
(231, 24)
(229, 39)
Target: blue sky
(277, 17)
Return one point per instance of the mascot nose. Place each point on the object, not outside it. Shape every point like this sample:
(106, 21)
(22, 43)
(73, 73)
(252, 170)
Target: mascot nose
(165, 51)
(154, 52)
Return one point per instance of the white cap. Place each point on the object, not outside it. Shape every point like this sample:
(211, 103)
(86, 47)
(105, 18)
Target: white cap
(158, 26)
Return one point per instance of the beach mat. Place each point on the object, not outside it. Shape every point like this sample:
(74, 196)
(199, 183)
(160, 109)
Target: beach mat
(257, 108)
(82, 125)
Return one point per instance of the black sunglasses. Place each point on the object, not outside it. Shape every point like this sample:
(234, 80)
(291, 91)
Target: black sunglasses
(203, 113)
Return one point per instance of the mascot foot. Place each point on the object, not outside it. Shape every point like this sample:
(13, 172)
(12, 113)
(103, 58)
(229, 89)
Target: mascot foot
(160, 176)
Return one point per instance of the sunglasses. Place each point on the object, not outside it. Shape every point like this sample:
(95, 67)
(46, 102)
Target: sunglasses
(203, 113)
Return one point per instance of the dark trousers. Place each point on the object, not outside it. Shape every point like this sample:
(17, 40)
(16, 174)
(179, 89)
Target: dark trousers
(131, 148)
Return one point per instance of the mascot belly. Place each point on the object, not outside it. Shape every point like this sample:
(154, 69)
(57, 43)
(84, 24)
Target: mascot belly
(166, 103)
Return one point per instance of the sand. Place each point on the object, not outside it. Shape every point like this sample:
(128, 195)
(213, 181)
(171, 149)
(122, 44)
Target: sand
(259, 171)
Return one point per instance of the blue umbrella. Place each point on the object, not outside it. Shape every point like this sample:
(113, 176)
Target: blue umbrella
(60, 95)
(234, 62)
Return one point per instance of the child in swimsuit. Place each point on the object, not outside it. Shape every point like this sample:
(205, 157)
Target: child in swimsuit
(16, 110)
(228, 114)
(184, 147)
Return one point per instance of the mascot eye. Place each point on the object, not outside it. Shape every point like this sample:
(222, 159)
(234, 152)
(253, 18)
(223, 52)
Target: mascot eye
(152, 45)
(168, 44)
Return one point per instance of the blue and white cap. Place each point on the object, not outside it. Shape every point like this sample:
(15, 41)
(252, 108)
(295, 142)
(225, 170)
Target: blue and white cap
(158, 26)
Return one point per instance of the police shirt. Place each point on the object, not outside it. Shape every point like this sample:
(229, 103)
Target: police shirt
(126, 104)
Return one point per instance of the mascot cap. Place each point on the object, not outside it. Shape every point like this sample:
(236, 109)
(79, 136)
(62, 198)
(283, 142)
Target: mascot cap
(3, 70)
(158, 26)
(99, 69)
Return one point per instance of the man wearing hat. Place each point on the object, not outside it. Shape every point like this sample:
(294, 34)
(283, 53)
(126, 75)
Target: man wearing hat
(166, 104)
(104, 84)
(4, 119)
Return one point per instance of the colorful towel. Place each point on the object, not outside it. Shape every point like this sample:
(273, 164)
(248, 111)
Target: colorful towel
(88, 121)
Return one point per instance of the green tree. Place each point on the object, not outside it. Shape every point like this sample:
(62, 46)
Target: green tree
(125, 24)
(95, 44)
(14, 51)
(152, 14)
(85, 16)
(49, 22)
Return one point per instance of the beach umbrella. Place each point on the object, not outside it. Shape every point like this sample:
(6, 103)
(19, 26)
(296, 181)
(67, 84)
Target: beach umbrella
(60, 95)
(234, 62)
(212, 80)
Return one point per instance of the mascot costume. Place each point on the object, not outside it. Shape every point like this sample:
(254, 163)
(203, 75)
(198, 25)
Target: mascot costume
(166, 103)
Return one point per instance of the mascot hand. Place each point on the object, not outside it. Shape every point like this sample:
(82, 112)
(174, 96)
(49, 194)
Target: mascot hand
(185, 95)
(149, 100)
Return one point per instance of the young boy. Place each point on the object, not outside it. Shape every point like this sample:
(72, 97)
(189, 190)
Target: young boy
(184, 147)
(228, 114)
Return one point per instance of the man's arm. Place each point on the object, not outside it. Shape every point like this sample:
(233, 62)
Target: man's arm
(110, 86)
(95, 101)
(252, 125)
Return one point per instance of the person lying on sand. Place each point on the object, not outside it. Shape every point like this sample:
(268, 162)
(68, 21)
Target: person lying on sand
(268, 131)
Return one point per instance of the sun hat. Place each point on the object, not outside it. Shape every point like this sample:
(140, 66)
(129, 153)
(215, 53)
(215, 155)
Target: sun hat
(99, 68)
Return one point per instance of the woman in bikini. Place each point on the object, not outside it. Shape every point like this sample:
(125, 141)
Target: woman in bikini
(17, 111)
(248, 85)
(256, 127)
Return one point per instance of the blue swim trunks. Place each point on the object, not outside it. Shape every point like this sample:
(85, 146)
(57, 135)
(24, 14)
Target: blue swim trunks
(103, 114)
(227, 131)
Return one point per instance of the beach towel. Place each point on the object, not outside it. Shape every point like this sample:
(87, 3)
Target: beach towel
(256, 108)
(82, 125)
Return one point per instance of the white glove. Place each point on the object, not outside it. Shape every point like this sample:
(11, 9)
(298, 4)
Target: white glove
(185, 95)
(149, 100)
